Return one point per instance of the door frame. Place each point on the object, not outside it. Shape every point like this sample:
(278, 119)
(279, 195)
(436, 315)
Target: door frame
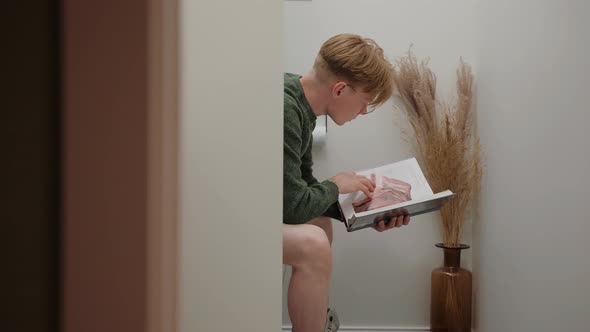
(120, 174)
(163, 168)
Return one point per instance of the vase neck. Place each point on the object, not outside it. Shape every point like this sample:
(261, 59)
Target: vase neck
(452, 258)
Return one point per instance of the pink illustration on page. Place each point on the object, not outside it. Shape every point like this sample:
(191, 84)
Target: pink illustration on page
(392, 191)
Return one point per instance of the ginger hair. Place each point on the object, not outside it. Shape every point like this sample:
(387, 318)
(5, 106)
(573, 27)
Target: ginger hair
(358, 61)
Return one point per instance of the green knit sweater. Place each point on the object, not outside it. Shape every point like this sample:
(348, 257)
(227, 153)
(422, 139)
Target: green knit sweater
(304, 197)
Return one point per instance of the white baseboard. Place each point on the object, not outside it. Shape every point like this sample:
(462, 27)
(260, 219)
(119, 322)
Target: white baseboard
(287, 328)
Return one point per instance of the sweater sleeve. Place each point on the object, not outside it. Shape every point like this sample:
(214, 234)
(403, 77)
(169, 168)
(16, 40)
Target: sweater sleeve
(301, 201)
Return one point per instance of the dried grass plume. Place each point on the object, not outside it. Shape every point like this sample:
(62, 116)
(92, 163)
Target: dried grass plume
(444, 138)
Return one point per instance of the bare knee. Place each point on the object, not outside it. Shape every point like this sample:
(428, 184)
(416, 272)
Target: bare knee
(314, 250)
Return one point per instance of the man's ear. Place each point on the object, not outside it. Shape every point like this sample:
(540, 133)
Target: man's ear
(337, 88)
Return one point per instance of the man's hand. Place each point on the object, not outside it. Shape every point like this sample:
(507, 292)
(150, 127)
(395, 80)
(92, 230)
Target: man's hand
(349, 182)
(389, 221)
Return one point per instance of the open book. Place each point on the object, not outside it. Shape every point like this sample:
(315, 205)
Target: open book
(401, 188)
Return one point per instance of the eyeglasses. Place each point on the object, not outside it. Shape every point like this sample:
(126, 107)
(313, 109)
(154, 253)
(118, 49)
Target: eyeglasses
(369, 108)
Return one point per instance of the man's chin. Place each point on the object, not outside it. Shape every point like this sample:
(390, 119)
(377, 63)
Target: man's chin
(338, 122)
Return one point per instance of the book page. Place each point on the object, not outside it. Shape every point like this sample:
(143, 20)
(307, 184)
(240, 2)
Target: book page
(395, 183)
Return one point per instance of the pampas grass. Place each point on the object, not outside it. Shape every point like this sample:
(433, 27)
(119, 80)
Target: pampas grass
(444, 139)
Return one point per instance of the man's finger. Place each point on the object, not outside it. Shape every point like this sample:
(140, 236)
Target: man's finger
(367, 183)
(391, 223)
(372, 180)
(381, 226)
(407, 219)
(399, 221)
(365, 190)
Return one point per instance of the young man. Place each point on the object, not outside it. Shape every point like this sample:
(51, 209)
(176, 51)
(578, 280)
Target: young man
(350, 77)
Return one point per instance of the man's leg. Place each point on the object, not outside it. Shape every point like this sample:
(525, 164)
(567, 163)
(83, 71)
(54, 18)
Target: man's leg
(325, 223)
(306, 248)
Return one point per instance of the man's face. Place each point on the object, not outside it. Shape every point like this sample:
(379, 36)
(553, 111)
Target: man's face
(348, 102)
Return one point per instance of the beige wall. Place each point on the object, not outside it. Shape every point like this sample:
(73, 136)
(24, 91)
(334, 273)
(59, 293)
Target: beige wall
(532, 236)
(231, 165)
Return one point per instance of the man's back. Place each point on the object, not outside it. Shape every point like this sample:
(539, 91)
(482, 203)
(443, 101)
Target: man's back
(304, 198)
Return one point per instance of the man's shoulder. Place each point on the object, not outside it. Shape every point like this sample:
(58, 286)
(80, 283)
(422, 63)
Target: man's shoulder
(290, 100)
(288, 77)
(291, 84)
(292, 111)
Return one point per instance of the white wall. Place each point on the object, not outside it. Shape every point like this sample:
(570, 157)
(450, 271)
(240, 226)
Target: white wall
(231, 165)
(381, 279)
(533, 271)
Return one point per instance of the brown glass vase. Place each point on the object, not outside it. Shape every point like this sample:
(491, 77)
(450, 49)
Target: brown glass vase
(450, 293)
